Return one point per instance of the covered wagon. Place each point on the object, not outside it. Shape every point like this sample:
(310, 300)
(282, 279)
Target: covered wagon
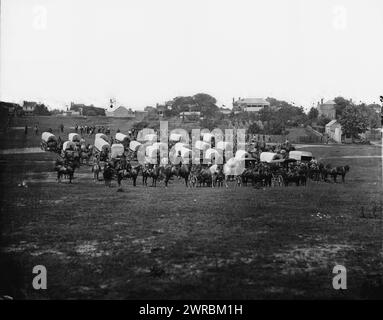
(175, 137)
(122, 138)
(202, 145)
(101, 136)
(48, 141)
(300, 155)
(224, 145)
(179, 145)
(101, 149)
(116, 150)
(69, 145)
(233, 167)
(271, 157)
(134, 145)
(242, 155)
(146, 134)
(214, 156)
(74, 137)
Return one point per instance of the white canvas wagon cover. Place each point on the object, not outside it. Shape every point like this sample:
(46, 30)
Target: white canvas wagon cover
(201, 145)
(300, 155)
(241, 154)
(271, 157)
(74, 137)
(212, 152)
(101, 136)
(233, 167)
(179, 145)
(175, 137)
(134, 145)
(224, 145)
(101, 145)
(207, 136)
(68, 144)
(117, 150)
(142, 134)
(121, 137)
(150, 137)
(47, 136)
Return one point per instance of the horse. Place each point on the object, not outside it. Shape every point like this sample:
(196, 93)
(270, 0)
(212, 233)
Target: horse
(324, 171)
(341, 171)
(146, 173)
(204, 177)
(127, 172)
(156, 173)
(217, 175)
(166, 172)
(85, 156)
(65, 169)
(291, 176)
(182, 171)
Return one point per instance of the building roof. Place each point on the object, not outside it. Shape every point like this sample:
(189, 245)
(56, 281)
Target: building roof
(332, 102)
(332, 122)
(120, 111)
(29, 104)
(190, 113)
(258, 101)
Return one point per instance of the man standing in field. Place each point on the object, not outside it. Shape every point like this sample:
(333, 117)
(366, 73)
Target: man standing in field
(36, 130)
(108, 175)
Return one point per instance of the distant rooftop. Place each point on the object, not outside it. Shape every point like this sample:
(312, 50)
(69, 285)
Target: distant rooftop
(257, 101)
(331, 123)
(331, 102)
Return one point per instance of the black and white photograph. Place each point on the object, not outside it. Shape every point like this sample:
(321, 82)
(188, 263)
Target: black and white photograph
(178, 150)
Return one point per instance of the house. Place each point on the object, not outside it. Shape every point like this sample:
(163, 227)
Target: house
(249, 104)
(120, 112)
(10, 107)
(161, 109)
(327, 109)
(333, 129)
(190, 115)
(29, 107)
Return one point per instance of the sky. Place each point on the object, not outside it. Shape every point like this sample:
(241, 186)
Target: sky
(143, 52)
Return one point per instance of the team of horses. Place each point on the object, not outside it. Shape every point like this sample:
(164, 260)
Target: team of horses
(256, 174)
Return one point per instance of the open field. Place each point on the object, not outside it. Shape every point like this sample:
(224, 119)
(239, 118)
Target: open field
(236, 243)
(14, 136)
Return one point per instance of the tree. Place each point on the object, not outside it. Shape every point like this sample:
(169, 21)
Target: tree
(354, 121)
(370, 112)
(313, 114)
(340, 104)
(200, 102)
(140, 125)
(41, 110)
(254, 128)
(323, 120)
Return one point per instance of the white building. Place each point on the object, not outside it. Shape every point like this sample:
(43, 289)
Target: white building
(334, 130)
(250, 105)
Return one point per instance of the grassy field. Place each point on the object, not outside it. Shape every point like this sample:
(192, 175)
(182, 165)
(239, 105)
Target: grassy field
(14, 136)
(236, 243)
